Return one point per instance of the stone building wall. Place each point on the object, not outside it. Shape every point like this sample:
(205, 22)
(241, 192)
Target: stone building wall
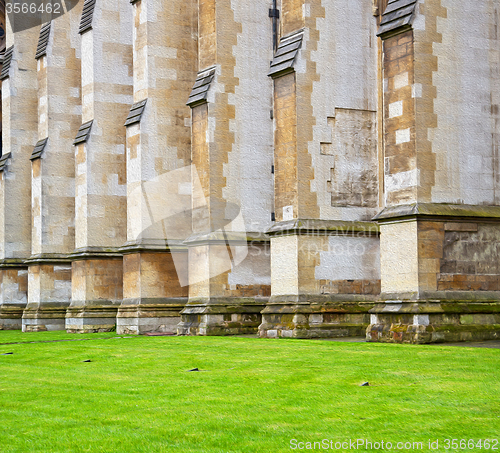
(100, 167)
(53, 174)
(214, 167)
(19, 134)
(158, 144)
(232, 154)
(440, 153)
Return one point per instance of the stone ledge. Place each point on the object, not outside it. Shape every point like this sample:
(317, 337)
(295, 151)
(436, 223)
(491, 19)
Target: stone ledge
(316, 227)
(94, 305)
(418, 334)
(48, 258)
(229, 237)
(9, 308)
(439, 211)
(436, 307)
(85, 253)
(441, 296)
(155, 303)
(16, 263)
(315, 299)
(46, 306)
(152, 246)
(228, 305)
(342, 330)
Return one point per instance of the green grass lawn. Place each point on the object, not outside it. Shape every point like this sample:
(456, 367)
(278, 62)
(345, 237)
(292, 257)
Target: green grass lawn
(252, 395)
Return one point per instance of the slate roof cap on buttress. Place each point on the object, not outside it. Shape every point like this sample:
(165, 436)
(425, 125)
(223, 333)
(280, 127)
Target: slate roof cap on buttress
(7, 59)
(87, 16)
(38, 150)
(201, 86)
(136, 112)
(397, 17)
(43, 41)
(284, 58)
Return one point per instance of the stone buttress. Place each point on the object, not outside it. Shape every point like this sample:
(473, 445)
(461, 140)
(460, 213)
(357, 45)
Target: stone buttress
(213, 167)
(53, 173)
(440, 229)
(100, 166)
(19, 133)
(229, 275)
(158, 167)
(324, 250)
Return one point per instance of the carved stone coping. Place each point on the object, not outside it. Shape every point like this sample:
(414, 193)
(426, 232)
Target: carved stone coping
(220, 305)
(229, 237)
(316, 227)
(454, 297)
(48, 258)
(448, 305)
(152, 246)
(439, 211)
(339, 303)
(9, 263)
(95, 253)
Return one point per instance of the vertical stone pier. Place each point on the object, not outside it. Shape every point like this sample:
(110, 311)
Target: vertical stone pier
(53, 173)
(324, 250)
(19, 134)
(158, 143)
(100, 167)
(440, 228)
(230, 102)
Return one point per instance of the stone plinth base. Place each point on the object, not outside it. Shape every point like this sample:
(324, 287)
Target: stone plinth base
(149, 315)
(100, 317)
(440, 273)
(97, 292)
(221, 316)
(47, 316)
(11, 317)
(315, 317)
(434, 321)
(325, 278)
(13, 297)
(49, 294)
(152, 293)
